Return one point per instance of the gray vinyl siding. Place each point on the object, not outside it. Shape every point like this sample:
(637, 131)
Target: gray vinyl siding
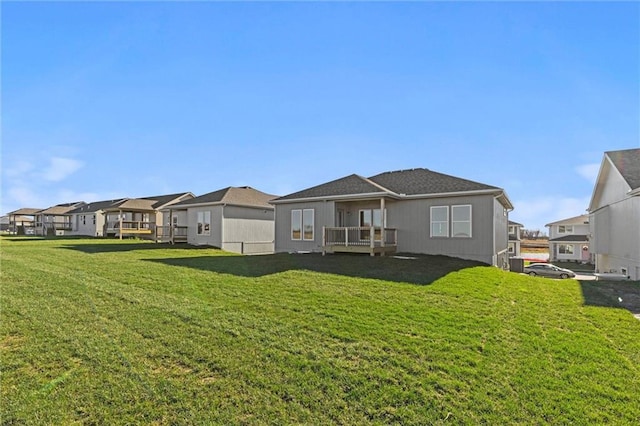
(412, 218)
(248, 230)
(215, 237)
(323, 216)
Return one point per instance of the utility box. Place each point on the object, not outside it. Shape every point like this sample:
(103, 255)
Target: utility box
(516, 264)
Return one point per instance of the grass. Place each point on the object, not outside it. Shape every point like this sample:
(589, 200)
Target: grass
(106, 332)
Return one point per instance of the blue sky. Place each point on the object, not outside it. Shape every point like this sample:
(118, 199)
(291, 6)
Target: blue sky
(128, 99)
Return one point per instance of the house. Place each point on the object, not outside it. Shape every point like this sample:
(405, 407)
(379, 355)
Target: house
(124, 217)
(411, 211)
(615, 214)
(236, 219)
(22, 221)
(56, 220)
(90, 219)
(515, 240)
(569, 240)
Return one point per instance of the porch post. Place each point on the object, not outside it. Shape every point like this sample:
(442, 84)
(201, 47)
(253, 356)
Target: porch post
(372, 239)
(382, 216)
(324, 240)
(171, 231)
(120, 216)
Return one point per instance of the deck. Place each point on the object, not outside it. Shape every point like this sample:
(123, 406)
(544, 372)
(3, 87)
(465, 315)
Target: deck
(359, 239)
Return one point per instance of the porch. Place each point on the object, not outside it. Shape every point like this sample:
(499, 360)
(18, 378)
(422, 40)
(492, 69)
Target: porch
(171, 234)
(123, 228)
(359, 239)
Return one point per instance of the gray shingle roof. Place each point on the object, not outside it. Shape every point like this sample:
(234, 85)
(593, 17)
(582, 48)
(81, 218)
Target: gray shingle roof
(240, 196)
(627, 162)
(61, 209)
(349, 185)
(407, 182)
(95, 206)
(28, 211)
(424, 181)
(161, 200)
(571, 238)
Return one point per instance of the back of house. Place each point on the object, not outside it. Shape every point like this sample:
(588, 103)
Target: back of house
(409, 211)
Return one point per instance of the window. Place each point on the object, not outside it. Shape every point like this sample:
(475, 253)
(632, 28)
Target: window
(302, 227)
(296, 224)
(512, 230)
(461, 221)
(565, 249)
(307, 224)
(371, 217)
(565, 229)
(511, 248)
(204, 223)
(440, 221)
(84, 220)
(94, 219)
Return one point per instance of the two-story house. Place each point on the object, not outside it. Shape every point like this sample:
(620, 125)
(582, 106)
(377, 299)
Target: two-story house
(569, 240)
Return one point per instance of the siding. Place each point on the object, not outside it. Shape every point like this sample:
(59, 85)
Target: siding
(215, 237)
(248, 230)
(323, 216)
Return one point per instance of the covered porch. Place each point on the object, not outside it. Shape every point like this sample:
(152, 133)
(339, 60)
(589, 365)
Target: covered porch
(360, 226)
(122, 223)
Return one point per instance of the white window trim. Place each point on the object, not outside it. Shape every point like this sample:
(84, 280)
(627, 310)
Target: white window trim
(470, 221)
(313, 224)
(205, 233)
(431, 222)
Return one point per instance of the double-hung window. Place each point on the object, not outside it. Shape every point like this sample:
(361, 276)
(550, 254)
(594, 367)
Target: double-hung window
(565, 229)
(440, 221)
(454, 221)
(461, 221)
(302, 224)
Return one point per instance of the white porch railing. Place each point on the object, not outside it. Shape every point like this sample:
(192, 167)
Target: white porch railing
(363, 236)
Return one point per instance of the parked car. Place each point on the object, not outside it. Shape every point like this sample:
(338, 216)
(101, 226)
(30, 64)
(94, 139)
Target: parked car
(548, 270)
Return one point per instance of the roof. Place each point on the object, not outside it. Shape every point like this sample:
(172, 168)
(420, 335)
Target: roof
(349, 185)
(161, 200)
(28, 211)
(61, 209)
(627, 162)
(412, 182)
(134, 204)
(572, 239)
(512, 223)
(95, 206)
(424, 181)
(239, 196)
(577, 220)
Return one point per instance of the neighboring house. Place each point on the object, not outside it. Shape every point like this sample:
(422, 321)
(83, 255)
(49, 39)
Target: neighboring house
(4, 223)
(90, 219)
(123, 217)
(615, 214)
(411, 211)
(515, 229)
(22, 221)
(236, 219)
(139, 216)
(56, 220)
(569, 240)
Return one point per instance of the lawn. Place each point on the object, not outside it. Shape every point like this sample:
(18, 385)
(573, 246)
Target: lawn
(110, 332)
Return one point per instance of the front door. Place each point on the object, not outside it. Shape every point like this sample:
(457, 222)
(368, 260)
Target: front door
(341, 222)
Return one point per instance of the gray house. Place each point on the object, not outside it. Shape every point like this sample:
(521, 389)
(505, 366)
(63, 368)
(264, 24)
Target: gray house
(615, 214)
(411, 211)
(236, 219)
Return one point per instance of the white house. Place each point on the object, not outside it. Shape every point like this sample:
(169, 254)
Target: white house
(569, 239)
(615, 214)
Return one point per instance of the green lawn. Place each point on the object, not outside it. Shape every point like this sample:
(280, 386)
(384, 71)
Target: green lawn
(110, 332)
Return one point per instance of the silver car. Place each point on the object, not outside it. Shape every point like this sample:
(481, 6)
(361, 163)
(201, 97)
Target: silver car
(548, 270)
